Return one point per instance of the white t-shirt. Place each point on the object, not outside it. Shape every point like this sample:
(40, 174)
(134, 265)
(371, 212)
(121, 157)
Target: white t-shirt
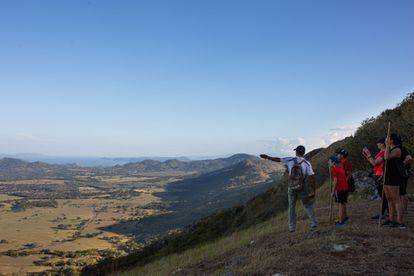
(306, 166)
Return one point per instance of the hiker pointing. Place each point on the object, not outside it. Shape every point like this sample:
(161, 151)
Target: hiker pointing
(300, 170)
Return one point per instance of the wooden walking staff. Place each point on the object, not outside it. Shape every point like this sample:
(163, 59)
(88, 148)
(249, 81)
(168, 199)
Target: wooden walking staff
(383, 181)
(330, 194)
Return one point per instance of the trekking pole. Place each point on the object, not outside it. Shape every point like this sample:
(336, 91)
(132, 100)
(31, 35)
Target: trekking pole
(383, 180)
(330, 195)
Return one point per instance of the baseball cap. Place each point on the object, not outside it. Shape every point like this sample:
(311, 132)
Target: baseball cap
(334, 159)
(342, 152)
(300, 149)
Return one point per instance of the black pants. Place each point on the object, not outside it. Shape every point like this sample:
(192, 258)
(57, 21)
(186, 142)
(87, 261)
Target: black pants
(380, 186)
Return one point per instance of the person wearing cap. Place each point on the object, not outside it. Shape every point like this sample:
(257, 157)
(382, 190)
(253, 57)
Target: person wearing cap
(342, 155)
(378, 162)
(306, 193)
(340, 188)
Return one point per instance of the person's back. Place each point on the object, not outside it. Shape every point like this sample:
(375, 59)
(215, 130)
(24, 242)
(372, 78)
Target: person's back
(304, 164)
(299, 171)
(340, 173)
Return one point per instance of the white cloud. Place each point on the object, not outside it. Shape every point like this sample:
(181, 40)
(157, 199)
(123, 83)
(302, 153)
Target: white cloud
(280, 146)
(336, 134)
(283, 146)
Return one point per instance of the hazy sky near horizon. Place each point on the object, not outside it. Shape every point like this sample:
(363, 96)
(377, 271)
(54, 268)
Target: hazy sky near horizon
(172, 78)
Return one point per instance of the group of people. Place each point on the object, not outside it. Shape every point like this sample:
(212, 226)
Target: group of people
(391, 170)
(391, 180)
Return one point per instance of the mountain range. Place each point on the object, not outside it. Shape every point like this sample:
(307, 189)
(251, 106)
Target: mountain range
(93, 161)
(12, 169)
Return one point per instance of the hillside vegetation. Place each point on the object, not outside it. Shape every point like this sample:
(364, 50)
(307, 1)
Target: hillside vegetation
(263, 215)
(196, 197)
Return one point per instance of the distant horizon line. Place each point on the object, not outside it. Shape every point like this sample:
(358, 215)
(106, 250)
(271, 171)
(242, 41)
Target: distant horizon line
(2, 154)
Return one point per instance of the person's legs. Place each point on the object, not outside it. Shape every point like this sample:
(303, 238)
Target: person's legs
(395, 204)
(308, 204)
(400, 211)
(398, 204)
(403, 194)
(345, 211)
(340, 212)
(391, 201)
(380, 187)
(292, 197)
(405, 203)
(385, 208)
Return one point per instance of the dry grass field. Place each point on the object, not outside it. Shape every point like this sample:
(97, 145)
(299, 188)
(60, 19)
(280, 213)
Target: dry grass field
(34, 181)
(71, 235)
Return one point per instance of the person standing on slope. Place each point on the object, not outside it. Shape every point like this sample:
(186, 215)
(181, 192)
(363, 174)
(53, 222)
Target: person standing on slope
(300, 170)
(393, 180)
(343, 155)
(378, 163)
(340, 188)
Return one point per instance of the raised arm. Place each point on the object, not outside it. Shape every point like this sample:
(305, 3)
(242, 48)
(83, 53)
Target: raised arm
(373, 161)
(267, 157)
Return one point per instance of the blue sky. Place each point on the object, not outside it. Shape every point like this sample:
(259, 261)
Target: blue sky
(133, 78)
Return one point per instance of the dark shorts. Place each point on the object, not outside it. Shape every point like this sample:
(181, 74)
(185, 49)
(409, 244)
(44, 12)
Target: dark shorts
(393, 180)
(341, 196)
(403, 187)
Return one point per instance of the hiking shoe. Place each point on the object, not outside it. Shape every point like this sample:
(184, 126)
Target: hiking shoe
(339, 223)
(394, 224)
(386, 223)
(375, 197)
(402, 226)
(292, 230)
(346, 220)
(376, 217)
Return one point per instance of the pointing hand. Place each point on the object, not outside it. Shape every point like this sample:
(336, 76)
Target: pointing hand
(264, 156)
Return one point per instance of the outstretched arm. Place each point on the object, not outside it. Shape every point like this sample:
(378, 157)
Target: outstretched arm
(274, 159)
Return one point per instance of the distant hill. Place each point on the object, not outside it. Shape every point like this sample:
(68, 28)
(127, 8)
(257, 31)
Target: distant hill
(93, 161)
(85, 161)
(124, 160)
(176, 166)
(193, 198)
(13, 169)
